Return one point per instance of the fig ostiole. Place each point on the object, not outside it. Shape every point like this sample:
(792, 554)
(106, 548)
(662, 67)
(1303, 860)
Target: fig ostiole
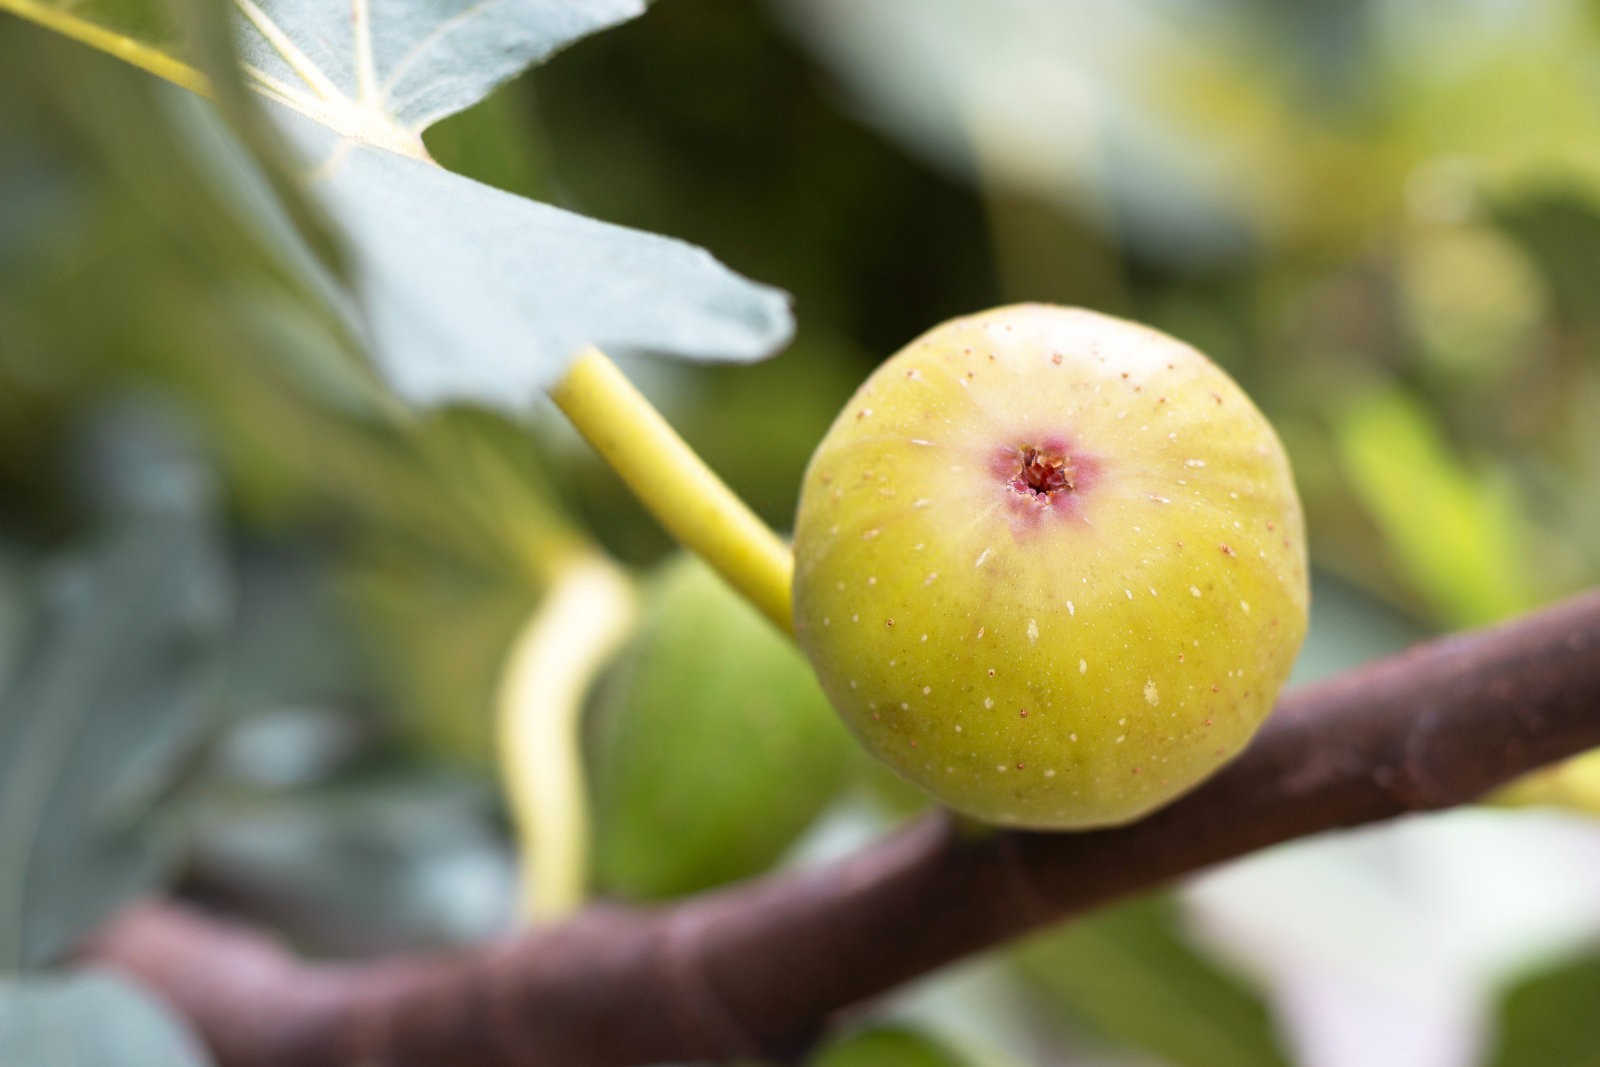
(1050, 566)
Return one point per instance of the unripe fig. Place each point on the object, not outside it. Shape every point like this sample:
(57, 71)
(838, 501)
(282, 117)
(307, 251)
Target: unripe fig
(710, 747)
(1050, 566)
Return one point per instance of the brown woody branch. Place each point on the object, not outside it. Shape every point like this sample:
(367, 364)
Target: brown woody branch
(756, 968)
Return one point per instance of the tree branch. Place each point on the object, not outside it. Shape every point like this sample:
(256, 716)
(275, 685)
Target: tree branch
(756, 968)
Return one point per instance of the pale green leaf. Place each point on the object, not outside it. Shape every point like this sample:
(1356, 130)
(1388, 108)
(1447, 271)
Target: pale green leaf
(97, 1019)
(464, 292)
(409, 62)
(476, 294)
(1453, 530)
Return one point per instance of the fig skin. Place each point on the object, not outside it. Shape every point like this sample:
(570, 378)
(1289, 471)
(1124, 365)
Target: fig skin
(1050, 566)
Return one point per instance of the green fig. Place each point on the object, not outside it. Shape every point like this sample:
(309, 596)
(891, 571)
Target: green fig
(711, 746)
(1050, 566)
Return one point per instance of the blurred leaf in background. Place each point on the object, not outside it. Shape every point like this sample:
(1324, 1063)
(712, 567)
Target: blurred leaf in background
(1349, 628)
(1199, 130)
(398, 860)
(456, 545)
(1472, 299)
(1455, 532)
(1547, 1017)
(885, 1046)
(116, 685)
(1389, 944)
(110, 277)
(90, 1018)
(1128, 971)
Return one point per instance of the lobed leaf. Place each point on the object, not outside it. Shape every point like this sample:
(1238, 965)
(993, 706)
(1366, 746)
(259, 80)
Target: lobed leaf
(475, 294)
(465, 292)
(407, 63)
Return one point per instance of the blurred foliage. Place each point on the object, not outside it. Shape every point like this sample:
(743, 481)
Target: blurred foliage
(117, 682)
(1128, 971)
(1454, 531)
(366, 864)
(90, 1018)
(1348, 628)
(1547, 1017)
(885, 1046)
(1382, 216)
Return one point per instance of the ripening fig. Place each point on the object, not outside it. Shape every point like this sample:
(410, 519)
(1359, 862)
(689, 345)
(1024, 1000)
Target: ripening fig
(1050, 566)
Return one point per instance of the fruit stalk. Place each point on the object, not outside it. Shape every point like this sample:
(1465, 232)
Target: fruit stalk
(582, 620)
(675, 484)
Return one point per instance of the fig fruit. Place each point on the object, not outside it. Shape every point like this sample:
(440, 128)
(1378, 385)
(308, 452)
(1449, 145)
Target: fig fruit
(1050, 566)
(710, 747)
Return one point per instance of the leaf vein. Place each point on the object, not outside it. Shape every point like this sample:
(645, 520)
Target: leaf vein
(448, 26)
(284, 45)
(366, 73)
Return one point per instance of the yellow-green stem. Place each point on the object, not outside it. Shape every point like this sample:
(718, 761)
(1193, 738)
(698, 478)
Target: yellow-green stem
(675, 484)
(585, 615)
(123, 47)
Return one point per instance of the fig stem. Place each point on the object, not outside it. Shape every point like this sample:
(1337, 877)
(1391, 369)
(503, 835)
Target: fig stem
(675, 484)
(583, 618)
(146, 58)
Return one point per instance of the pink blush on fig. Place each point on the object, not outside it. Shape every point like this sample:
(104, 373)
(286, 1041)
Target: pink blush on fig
(1043, 477)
